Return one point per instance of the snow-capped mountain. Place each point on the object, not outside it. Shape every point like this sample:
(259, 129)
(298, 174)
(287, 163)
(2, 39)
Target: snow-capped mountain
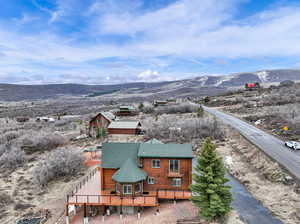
(239, 79)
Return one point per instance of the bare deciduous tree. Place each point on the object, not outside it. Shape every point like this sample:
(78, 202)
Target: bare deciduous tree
(59, 163)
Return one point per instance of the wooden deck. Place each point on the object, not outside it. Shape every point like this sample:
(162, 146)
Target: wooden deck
(89, 193)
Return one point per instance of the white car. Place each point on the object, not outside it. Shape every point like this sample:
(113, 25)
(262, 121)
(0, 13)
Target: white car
(293, 145)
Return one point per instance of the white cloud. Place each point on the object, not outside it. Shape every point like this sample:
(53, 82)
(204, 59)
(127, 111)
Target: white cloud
(189, 29)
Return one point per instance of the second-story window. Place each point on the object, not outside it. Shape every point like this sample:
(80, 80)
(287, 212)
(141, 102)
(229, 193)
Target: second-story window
(155, 163)
(176, 182)
(174, 165)
(151, 180)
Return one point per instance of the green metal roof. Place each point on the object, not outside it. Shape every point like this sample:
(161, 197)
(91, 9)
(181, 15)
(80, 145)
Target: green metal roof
(127, 108)
(114, 154)
(170, 150)
(154, 141)
(108, 115)
(129, 173)
(124, 124)
(90, 149)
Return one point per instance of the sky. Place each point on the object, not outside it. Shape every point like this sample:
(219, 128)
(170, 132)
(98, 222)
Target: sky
(117, 41)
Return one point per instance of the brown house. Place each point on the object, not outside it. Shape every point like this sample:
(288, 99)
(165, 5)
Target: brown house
(136, 175)
(124, 127)
(126, 111)
(101, 120)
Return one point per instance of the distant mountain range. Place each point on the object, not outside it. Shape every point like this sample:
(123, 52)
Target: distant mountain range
(203, 85)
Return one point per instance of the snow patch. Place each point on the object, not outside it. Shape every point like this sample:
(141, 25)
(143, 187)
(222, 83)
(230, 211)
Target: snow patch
(224, 78)
(263, 76)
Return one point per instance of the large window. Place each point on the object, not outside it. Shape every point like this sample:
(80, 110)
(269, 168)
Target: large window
(151, 180)
(127, 189)
(176, 182)
(174, 165)
(155, 163)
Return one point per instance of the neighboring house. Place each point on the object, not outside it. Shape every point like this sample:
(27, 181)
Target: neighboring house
(135, 175)
(22, 119)
(126, 111)
(252, 86)
(46, 119)
(160, 103)
(124, 127)
(101, 120)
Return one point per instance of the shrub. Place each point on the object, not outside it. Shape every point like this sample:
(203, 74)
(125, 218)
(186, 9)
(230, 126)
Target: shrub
(11, 157)
(180, 108)
(40, 141)
(183, 130)
(148, 109)
(9, 136)
(56, 164)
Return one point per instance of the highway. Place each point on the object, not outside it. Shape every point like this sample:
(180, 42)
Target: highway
(268, 143)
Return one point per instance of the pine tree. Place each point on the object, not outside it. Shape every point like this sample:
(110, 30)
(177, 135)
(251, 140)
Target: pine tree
(210, 193)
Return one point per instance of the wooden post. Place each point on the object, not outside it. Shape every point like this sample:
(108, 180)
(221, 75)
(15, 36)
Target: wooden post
(67, 214)
(85, 218)
(157, 210)
(139, 212)
(121, 212)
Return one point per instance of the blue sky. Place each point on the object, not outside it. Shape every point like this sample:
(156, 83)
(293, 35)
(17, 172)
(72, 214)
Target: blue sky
(113, 41)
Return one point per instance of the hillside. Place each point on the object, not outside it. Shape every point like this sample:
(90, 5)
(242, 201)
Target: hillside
(204, 85)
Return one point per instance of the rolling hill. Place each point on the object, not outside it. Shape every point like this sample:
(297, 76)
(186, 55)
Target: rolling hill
(203, 85)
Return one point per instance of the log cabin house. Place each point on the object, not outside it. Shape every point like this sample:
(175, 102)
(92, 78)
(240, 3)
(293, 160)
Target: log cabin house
(124, 128)
(160, 103)
(136, 175)
(101, 120)
(126, 111)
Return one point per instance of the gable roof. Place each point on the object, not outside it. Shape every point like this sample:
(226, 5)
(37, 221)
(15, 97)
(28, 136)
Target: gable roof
(124, 124)
(170, 150)
(129, 173)
(154, 141)
(114, 154)
(107, 115)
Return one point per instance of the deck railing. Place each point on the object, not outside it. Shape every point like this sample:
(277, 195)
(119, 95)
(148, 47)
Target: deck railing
(174, 194)
(108, 199)
(83, 181)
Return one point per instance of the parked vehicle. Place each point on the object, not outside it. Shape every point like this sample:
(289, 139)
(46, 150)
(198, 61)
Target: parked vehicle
(293, 145)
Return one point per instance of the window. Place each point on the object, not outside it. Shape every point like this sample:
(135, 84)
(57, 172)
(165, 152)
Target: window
(151, 180)
(138, 188)
(176, 182)
(127, 189)
(117, 187)
(174, 165)
(155, 163)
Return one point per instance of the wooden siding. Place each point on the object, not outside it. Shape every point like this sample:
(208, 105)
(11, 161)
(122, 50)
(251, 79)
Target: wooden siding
(122, 131)
(107, 182)
(162, 181)
(98, 122)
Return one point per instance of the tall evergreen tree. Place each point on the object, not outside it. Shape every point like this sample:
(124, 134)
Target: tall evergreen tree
(210, 193)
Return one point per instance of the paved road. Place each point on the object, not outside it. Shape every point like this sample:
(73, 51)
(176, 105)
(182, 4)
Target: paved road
(271, 145)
